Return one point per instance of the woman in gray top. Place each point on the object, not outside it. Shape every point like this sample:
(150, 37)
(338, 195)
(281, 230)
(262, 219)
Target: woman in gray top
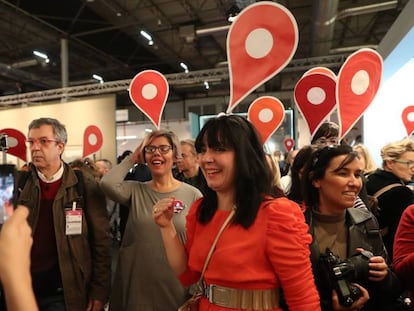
(143, 279)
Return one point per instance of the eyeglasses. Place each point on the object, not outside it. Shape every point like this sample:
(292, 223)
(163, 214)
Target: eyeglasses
(409, 163)
(326, 141)
(40, 141)
(162, 148)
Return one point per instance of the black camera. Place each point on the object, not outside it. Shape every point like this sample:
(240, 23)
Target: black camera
(341, 273)
(3, 142)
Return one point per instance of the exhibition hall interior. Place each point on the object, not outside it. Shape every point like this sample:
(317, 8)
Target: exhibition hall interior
(100, 103)
(65, 52)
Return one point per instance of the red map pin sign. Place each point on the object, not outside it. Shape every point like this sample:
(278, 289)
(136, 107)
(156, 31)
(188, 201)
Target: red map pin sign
(358, 82)
(92, 140)
(260, 43)
(289, 143)
(315, 98)
(149, 91)
(17, 143)
(266, 113)
(408, 119)
(321, 70)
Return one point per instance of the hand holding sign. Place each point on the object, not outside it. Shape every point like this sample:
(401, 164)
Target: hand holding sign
(149, 91)
(92, 140)
(408, 119)
(260, 43)
(358, 82)
(16, 143)
(266, 113)
(315, 97)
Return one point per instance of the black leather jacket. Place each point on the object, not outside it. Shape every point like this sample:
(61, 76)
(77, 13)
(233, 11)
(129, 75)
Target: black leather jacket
(363, 232)
(391, 203)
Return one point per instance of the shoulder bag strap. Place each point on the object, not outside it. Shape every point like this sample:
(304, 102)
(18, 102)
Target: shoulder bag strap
(385, 189)
(213, 246)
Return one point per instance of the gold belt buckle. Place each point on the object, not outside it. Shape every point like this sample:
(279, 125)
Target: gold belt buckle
(222, 296)
(210, 293)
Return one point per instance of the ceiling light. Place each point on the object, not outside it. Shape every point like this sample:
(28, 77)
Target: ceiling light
(42, 56)
(147, 36)
(99, 78)
(126, 137)
(184, 66)
(119, 14)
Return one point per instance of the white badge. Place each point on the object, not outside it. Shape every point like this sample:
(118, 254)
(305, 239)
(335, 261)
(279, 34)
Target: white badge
(73, 220)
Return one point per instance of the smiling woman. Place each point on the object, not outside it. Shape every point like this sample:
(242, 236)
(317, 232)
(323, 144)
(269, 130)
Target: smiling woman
(331, 182)
(251, 261)
(143, 271)
(334, 181)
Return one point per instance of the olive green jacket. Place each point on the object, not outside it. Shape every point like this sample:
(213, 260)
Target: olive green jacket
(84, 259)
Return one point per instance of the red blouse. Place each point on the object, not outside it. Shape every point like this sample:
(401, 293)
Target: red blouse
(273, 252)
(403, 259)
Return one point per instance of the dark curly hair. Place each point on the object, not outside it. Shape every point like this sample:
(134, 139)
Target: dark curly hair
(316, 167)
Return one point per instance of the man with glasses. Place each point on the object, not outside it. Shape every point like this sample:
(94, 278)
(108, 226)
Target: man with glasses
(188, 164)
(70, 257)
(388, 184)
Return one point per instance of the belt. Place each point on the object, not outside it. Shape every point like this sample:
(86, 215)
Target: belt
(249, 299)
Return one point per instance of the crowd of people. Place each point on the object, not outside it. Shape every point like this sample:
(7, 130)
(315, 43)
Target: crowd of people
(215, 216)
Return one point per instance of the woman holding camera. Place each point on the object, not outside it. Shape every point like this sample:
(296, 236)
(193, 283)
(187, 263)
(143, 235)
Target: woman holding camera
(347, 253)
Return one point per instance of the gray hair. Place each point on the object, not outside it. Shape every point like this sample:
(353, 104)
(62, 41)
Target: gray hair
(191, 143)
(59, 130)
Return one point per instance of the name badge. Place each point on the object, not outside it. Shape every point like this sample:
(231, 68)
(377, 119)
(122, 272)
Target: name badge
(73, 220)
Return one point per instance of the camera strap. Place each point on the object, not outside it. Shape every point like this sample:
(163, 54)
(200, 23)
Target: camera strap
(385, 189)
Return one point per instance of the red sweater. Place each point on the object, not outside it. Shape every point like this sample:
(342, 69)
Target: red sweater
(44, 258)
(272, 253)
(403, 260)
